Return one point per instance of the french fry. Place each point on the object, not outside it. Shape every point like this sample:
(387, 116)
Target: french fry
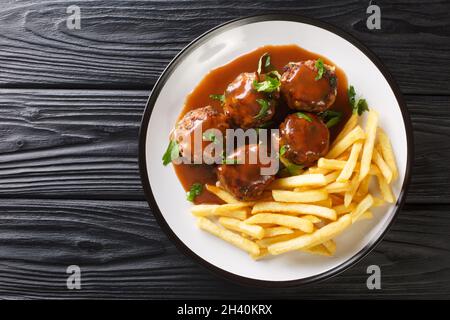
(366, 216)
(341, 209)
(382, 165)
(324, 203)
(349, 126)
(276, 231)
(239, 226)
(264, 243)
(338, 187)
(362, 207)
(385, 188)
(356, 134)
(301, 196)
(363, 188)
(282, 220)
(320, 250)
(371, 131)
(316, 170)
(350, 165)
(262, 254)
(387, 152)
(331, 164)
(344, 156)
(377, 202)
(229, 236)
(294, 208)
(330, 245)
(331, 177)
(326, 233)
(222, 194)
(354, 184)
(336, 199)
(299, 181)
(312, 218)
(232, 210)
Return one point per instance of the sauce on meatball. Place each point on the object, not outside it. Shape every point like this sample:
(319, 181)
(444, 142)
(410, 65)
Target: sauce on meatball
(184, 132)
(241, 102)
(244, 180)
(304, 139)
(303, 90)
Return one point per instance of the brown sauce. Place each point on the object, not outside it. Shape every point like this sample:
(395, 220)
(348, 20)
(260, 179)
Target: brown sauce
(216, 81)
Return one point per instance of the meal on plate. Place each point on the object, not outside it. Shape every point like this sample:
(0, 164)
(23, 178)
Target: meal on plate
(299, 104)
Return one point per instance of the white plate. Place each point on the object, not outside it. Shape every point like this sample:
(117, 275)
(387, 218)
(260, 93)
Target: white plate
(218, 47)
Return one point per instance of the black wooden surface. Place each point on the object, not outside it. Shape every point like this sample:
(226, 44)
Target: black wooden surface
(70, 106)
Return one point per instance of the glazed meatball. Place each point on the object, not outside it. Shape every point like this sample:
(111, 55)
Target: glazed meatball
(241, 102)
(302, 91)
(244, 180)
(184, 132)
(304, 139)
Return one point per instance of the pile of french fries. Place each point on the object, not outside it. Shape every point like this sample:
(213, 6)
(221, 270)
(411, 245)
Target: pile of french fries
(306, 212)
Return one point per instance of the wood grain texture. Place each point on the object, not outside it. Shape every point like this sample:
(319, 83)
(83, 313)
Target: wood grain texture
(123, 253)
(82, 144)
(126, 44)
(69, 183)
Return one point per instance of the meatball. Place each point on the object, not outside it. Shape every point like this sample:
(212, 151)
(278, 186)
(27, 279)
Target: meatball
(302, 91)
(241, 102)
(198, 119)
(304, 138)
(244, 180)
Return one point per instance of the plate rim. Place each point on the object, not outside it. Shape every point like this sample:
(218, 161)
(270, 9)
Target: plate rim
(159, 84)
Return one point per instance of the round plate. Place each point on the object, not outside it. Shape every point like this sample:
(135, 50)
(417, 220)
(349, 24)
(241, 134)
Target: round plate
(218, 47)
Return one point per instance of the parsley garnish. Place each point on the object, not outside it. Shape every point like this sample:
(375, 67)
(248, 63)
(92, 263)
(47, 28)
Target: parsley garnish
(358, 106)
(263, 63)
(282, 150)
(292, 168)
(303, 116)
(331, 117)
(320, 69)
(172, 153)
(270, 84)
(265, 106)
(196, 190)
(218, 97)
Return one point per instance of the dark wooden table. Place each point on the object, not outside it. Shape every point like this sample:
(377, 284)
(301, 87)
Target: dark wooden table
(70, 108)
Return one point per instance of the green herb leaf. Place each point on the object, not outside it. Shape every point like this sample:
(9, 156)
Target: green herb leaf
(195, 190)
(361, 106)
(264, 62)
(351, 95)
(172, 153)
(358, 106)
(265, 106)
(209, 136)
(274, 73)
(331, 117)
(320, 69)
(292, 168)
(218, 97)
(303, 116)
(333, 82)
(270, 84)
(282, 150)
(333, 121)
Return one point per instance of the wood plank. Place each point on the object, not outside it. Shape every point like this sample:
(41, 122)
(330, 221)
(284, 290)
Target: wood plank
(126, 44)
(82, 144)
(123, 253)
